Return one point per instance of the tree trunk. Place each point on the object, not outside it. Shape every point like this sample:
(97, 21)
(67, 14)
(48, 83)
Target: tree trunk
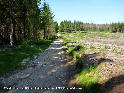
(14, 33)
(11, 33)
(11, 24)
(24, 22)
(44, 32)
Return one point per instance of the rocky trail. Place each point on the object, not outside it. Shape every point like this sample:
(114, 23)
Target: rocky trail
(50, 73)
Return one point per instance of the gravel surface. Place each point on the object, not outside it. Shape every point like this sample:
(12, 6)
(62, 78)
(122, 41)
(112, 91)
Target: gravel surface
(48, 73)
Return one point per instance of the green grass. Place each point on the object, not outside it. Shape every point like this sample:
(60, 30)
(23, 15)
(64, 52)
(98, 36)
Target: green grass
(88, 80)
(93, 33)
(77, 36)
(107, 47)
(12, 58)
(76, 52)
(70, 50)
(115, 50)
(92, 47)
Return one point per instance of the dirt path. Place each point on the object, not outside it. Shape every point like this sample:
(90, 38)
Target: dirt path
(49, 73)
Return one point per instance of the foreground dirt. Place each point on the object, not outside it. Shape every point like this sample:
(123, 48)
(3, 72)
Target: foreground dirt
(50, 74)
(114, 39)
(112, 72)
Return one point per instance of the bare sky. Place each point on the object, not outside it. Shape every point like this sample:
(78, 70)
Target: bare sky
(92, 11)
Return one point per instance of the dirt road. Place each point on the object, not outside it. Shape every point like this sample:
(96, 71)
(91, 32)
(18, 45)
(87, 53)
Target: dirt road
(50, 72)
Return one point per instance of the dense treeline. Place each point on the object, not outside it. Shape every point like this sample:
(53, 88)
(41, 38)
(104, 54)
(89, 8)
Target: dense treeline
(68, 26)
(88, 26)
(117, 27)
(24, 20)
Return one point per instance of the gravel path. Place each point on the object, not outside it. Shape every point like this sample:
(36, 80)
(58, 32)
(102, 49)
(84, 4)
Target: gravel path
(49, 73)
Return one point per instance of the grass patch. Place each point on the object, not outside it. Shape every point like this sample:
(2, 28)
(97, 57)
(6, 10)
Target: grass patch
(73, 49)
(88, 80)
(107, 47)
(12, 58)
(92, 47)
(115, 50)
(76, 52)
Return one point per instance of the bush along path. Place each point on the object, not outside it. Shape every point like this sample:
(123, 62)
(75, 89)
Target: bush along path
(49, 72)
(19, 56)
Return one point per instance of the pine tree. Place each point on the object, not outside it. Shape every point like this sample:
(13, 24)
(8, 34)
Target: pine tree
(47, 19)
